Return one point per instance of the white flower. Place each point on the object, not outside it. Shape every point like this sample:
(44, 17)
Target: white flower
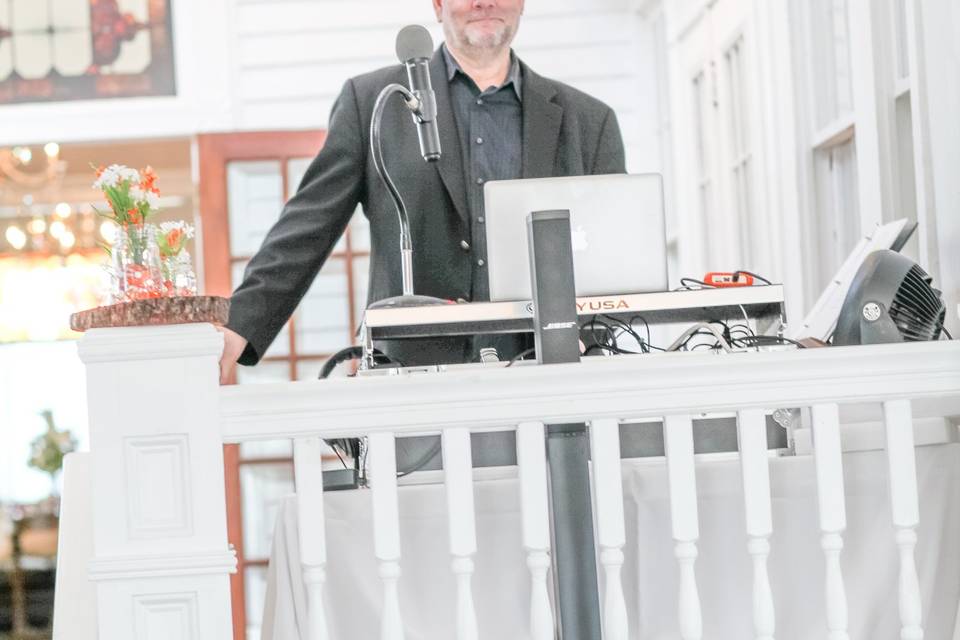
(153, 200)
(137, 193)
(126, 173)
(186, 229)
(115, 174)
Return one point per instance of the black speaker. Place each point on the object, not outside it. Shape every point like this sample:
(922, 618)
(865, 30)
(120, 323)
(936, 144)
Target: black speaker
(554, 293)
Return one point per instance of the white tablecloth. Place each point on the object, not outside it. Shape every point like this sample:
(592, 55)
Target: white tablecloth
(501, 583)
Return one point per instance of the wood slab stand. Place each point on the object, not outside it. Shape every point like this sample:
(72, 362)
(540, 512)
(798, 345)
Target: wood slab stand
(154, 311)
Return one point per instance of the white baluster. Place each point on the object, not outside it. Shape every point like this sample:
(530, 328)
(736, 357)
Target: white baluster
(678, 443)
(833, 514)
(382, 464)
(532, 463)
(458, 474)
(752, 435)
(311, 532)
(611, 536)
(898, 418)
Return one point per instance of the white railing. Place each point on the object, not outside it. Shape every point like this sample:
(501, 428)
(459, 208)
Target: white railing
(161, 554)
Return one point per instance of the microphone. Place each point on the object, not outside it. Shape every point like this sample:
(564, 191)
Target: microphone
(414, 49)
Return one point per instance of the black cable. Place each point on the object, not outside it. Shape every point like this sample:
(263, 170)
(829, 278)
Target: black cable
(605, 347)
(523, 354)
(645, 324)
(422, 462)
(736, 276)
(945, 332)
(342, 461)
(353, 353)
(701, 283)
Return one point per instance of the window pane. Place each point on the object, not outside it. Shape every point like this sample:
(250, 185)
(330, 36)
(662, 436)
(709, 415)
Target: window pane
(262, 488)
(740, 150)
(255, 592)
(361, 277)
(702, 106)
(359, 232)
(281, 345)
(310, 369)
(322, 320)
(828, 42)
(266, 449)
(906, 175)
(295, 170)
(838, 212)
(255, 198)
(900, 34)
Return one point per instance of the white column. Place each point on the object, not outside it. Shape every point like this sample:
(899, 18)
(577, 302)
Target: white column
(678, 443)
(904, 503)
(458, 476)
(535, 517)
(311, 529)
(611, 535)
(161, 557)
(752, 435)
(382, 462)
(833, 514)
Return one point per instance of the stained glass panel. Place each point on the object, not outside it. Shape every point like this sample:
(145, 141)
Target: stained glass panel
(54, 50)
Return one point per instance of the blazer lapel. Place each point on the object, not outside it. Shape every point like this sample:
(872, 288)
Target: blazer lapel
(541, 126)
(450, 165)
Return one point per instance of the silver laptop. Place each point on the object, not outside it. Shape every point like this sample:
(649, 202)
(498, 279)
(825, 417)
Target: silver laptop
(617, 229)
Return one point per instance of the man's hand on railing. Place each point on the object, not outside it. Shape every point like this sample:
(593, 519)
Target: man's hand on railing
(233, 346)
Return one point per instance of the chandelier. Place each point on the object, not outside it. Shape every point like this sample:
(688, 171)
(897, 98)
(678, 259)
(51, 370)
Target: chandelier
(25, 168)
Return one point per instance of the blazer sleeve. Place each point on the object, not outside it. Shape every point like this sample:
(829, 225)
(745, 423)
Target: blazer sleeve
(609, 156)
(295, 248)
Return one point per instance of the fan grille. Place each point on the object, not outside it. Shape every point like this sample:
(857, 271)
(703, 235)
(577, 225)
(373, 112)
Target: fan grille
(917, 309)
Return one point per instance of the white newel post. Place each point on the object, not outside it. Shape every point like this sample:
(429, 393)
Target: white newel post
(161, 559)
(311, 530)
(833, 512)
(904, 503)
(752, 437)
(611, 530)
(681, 472)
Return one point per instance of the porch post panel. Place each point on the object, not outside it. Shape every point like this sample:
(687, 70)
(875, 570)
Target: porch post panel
(161, 557)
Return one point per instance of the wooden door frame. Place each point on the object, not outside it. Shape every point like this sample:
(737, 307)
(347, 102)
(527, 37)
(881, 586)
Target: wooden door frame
(213, 152)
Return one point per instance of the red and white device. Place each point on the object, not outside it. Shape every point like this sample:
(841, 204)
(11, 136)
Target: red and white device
(736, 279)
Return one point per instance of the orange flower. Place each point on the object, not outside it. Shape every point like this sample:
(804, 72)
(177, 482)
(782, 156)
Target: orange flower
(100, 170)
(148, 183)
(174, 238)
(134, 216)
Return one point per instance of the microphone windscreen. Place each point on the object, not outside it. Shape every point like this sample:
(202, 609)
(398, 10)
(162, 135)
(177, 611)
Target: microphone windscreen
(414, 42)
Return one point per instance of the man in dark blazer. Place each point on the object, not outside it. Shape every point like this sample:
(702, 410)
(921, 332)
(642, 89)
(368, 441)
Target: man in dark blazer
(531, 126)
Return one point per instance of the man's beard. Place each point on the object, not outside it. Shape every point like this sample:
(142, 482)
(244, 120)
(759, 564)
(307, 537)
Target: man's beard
(487, 42)
(493, 41)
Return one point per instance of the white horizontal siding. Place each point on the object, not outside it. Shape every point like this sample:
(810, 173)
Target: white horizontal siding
(292, 57)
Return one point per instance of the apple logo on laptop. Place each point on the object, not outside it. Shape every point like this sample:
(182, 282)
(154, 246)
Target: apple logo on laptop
(579, 239)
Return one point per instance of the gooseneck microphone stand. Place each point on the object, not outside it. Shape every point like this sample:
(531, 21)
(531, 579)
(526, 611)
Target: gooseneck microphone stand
(420, 109)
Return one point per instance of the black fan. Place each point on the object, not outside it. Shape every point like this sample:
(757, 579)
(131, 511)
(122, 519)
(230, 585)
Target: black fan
(891, 299)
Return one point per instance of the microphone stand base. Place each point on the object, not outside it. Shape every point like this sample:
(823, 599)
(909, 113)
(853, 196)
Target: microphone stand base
(397, 302)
